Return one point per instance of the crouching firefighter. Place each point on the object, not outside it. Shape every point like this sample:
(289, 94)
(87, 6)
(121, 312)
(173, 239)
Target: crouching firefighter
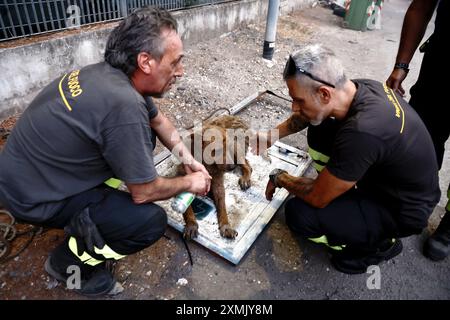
(88, 128)
(378, 177)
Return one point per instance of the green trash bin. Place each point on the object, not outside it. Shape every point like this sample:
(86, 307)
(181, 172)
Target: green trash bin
(358, 13)
(374, 21)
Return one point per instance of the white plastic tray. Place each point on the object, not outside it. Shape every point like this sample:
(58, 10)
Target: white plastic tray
(248, 211)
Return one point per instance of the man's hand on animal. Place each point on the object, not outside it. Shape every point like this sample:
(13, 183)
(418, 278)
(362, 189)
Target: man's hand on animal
(217, 170)
(295, 123)
(199, 183)
(196, 166)
(273, 184)
(270, 190)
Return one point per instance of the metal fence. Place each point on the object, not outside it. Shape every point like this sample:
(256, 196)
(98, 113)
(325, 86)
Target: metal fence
(20, 18)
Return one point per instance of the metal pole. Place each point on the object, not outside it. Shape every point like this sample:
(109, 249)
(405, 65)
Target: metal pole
(271, 29)
(123, 8)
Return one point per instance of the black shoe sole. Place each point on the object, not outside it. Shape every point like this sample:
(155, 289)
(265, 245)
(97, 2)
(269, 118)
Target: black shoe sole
(55, 274)
(52, 272)
(395, 250)
(434, 250)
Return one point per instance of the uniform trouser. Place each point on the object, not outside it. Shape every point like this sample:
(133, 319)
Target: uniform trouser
(429, 99)
(126, 227)
(353, 220)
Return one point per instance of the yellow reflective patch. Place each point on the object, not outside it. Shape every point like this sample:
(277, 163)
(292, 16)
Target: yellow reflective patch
(85, 257)
(113, 183)
(316, 155)
(317, 166)
(106, 251)
(324, 240)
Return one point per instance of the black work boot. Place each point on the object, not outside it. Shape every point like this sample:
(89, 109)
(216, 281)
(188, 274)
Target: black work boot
(354, 261)
(95, 280)
(437, 246)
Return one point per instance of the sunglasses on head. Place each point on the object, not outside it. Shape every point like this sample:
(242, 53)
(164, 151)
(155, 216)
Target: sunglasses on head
(292, 69)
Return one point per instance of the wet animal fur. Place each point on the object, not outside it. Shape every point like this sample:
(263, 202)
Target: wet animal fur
(236, 157)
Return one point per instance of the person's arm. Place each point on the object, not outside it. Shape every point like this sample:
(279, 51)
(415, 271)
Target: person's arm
(316, 192)
(352, 155)
(295, 123)
(292, 125)
(164, 188)
(171, 139)
(414, 26)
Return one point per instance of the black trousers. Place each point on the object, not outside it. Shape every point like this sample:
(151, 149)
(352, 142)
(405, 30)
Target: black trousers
(126, 227)
(353, 220)
(429, 98)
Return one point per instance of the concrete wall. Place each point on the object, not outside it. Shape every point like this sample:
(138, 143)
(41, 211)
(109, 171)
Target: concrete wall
(287, 6)
(26, 69)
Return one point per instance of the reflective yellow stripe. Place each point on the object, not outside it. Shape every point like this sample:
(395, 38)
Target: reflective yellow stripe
(323, 240)
(85, 257)
(106, 251)
(61, 92)
(316, 155)
(113, 183)
(317, 166)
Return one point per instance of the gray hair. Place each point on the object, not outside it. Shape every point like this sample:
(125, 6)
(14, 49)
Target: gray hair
(139, 32)
(318, 61)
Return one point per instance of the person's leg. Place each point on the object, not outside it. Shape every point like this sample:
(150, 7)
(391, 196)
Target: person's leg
(357, 230)
(437, 246)
(430, 108)
(126, 228)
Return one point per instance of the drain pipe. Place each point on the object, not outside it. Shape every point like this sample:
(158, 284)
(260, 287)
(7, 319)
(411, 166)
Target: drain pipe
(271, 29)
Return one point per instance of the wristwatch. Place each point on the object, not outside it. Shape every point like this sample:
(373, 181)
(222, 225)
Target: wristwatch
(402, 65)
(274, 175)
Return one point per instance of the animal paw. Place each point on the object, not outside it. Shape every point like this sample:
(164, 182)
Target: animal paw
(244, 183)
(190, 231)
(227, 232)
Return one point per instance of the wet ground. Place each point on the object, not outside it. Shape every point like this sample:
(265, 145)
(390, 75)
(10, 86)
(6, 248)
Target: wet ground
(220, 73)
